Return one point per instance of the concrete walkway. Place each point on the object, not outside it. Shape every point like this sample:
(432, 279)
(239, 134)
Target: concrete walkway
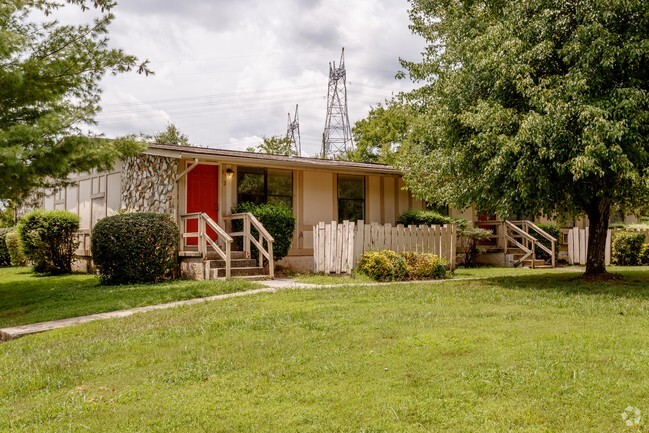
(272, 286)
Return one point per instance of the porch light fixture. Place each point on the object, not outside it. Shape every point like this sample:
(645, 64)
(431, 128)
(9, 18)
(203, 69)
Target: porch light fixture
(229, 173)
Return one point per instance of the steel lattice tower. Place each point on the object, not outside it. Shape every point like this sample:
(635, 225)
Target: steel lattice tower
(291, 129)
(337, 136)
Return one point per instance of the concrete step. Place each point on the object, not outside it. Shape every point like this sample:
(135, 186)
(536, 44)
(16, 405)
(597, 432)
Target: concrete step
(235, 263)
(237, 272)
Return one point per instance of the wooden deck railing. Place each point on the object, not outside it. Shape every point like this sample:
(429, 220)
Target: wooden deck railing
(512, 234)
(250, 222)
(203, 222)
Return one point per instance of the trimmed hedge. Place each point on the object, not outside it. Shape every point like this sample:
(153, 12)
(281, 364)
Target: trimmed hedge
(387, 265)
(48, 239)
(643, 258)
(135, 248)
(383, 265)
(625, 249)
(5, 259)
(277, 219)
(15, 249)
(428, 218)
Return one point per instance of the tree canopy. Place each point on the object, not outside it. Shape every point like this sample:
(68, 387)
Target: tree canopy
(533, 107)
(171, 135)
(380, 137)
(275, 145)
(49, 93)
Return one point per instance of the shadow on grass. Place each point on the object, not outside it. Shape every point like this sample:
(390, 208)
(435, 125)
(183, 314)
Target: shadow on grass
(634, 284)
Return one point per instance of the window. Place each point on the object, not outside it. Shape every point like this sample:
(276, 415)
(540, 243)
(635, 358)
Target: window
(264, 185)
(351, 198)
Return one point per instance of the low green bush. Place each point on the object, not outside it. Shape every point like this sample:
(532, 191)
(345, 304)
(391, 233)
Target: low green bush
(15, 249)
(469, 238)
(554, 231)
(5, 259)
(277, 219)
(643, 257)
(423, 266)
(428, 218)
(625, 249)
(384, 265)
(387, 265)
(48, 239)
(135, 248)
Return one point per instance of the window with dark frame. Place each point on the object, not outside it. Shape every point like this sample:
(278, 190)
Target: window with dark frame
(265, 185)
(351, 197)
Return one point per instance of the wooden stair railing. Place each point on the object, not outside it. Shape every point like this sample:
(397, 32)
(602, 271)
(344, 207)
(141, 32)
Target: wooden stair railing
(524, 246)
(203, 238)
(527, 225)
(250, 221)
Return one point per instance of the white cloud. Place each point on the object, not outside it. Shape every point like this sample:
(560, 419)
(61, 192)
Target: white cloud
(227, 73)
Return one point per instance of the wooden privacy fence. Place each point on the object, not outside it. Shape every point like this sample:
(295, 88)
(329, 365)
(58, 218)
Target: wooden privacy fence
(337, 247)
(578, 244)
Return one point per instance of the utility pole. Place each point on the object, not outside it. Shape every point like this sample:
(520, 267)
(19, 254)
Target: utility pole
(337, 137)
(291, 129)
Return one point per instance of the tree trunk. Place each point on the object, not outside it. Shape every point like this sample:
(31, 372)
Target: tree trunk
(598, 216)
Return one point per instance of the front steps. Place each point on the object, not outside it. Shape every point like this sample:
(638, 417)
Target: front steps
(213, 268)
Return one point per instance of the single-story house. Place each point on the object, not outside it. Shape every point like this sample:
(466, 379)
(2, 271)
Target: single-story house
(180, 180)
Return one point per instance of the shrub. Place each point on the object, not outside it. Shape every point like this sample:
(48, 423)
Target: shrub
(469, 238)
(555, 232)
(384, 265)
(15, 249)
(423, 266)
(135, 248)
(643, 258)
(5, 259)
(49, 239)
(625, 250)
(428, 218)
(277, 219)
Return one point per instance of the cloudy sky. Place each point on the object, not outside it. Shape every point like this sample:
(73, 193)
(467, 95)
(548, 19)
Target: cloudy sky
(228, 72)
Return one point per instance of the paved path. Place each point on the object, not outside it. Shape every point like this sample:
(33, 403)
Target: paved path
(271, 286)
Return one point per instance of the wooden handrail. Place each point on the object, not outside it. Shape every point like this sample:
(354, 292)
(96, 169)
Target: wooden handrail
(203, 239)
(248, 219)
(540, 231)
(520, 231)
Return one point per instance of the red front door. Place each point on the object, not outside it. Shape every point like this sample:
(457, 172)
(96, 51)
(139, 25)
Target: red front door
(202, 196)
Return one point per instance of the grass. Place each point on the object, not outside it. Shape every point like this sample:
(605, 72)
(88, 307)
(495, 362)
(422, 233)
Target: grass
(321, 279)
(541, 352)
(28, 298)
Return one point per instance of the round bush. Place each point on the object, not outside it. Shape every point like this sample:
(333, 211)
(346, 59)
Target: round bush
(15, 249)
(5, 259)
(49, 239)
(423, 266)
(625, 250)
(277, 219)
(383, 265)
(135, 248)
(429, 218)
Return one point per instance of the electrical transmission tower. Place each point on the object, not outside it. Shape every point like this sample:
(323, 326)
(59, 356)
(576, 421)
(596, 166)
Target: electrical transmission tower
(292, 128)
(337, 136)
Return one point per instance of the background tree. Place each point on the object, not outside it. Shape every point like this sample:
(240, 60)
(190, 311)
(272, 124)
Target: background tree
(533, 107)
(275, 145)
(49, 90)
(171, 135)
(379, 137)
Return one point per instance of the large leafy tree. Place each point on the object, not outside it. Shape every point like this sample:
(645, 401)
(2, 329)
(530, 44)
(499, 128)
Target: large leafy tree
(49, 93)
(171, 135)
(534, 107)
(382, 135)
(275, 145)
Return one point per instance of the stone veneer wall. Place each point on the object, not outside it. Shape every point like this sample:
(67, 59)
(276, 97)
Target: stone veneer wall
(148, 183)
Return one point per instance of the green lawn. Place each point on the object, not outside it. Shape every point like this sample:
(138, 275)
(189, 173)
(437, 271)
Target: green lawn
(28, 298)
(541, 352)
